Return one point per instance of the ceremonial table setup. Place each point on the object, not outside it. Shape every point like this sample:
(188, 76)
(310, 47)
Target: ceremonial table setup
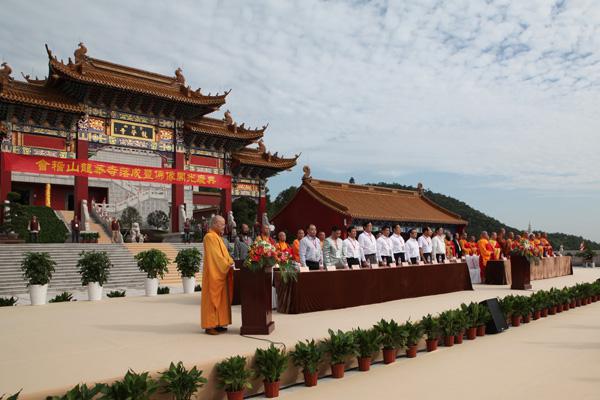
(519, 275)
(330, 290)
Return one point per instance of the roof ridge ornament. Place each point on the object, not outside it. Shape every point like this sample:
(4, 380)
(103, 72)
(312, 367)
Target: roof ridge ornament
(179, 78)
(306, 176)
(35, 81)
(5, 73)
(80, 53)
(420, 189)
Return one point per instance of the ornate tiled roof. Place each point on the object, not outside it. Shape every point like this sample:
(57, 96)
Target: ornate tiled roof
(38, 96)
(98, 72)
(261, 158)
(220, 128)
(379, 203)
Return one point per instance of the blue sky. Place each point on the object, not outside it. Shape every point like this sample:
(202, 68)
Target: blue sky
(492, 102)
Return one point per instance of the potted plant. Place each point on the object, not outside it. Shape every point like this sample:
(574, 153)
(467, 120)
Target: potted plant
(482, 319)
(180, 382)
(270, 364)
(471, 313)
(462, 323)
(340, 345)
(154, 263)
(37, 270)
(367, 343)
(233, 377)
(392, 338)
(537, 303)
(307, 355)
(8, 301)
(188, 264)
(521, 310)
(79, 392)
(132, 386)
(554, 299)
(94, 268)
(413, 333)
(431, 327)
(449, 326)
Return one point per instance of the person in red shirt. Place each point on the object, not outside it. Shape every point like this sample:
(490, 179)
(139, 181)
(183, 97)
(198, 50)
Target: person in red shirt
(75, 229)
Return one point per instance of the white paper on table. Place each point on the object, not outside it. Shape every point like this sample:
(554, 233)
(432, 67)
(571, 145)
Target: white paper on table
(354, 266)
(374, 265)
(392, 265)
(446, 261)
(421, 263)
(304, 269)
(330, 268)
(404, 263)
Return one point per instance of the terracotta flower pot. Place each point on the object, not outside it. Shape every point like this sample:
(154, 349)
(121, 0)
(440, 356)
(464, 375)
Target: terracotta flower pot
(515, 320)
(411, 351)
(573, 304)
(552, 310)
(578, 303)
(559, 308)
(239, 395)
(310, 379)
(544, 312)
(364, 363)
(337, 370)
(389, 355)
(481, 330)
(566, 307)
(431, 344)
(526, 319)
(448, 341)
(594, 299)
(472, 333)
(271, 389)
(537, 314)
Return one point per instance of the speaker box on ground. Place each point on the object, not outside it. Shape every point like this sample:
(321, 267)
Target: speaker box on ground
(497, 324)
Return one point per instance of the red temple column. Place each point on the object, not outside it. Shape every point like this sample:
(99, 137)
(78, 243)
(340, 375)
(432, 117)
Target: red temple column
(225, 202)
(261, 209)
(177, 193)
(5, 184)
(81, 182)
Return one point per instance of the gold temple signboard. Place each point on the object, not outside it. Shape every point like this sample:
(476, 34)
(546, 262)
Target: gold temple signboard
(132, 130)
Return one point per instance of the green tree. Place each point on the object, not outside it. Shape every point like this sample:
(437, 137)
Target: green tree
(158, 219)
(281, 200)
(129, 216)
(244, 211)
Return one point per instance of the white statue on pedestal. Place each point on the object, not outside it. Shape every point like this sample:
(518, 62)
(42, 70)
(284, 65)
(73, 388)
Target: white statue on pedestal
(85, 216)
(136, 233)
(182, 216)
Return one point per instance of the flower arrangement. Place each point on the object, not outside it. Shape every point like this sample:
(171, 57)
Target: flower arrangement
(263, 254)
(528, 250)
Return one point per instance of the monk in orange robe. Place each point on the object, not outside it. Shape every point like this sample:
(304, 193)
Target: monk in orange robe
(281, 244)
(217, 280)
(265, 234)
(474, 246)
(495, 246)
(296, 245)
(464, 244)
(485, 252)
(509, 244)
(546, 244)
(450, 248)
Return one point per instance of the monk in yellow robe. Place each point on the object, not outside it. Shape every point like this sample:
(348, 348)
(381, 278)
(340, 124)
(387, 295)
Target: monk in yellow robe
(281, 244)
(495, 246)
(485, 252)
(464, 244)
(217, 280)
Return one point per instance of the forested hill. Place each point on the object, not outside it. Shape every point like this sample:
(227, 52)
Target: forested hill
(478, 221)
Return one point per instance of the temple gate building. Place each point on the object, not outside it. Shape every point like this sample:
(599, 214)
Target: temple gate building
(106, 133)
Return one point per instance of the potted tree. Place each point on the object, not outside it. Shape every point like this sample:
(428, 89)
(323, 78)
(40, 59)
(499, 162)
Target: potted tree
(154, 263)
(482, 319)
(270, 364)
(392, 338)
(180, 382)
(94, 268)
(367, 343)
(37, 270)
(537, 303)
(431, 326)
(233, 377)
(132, 386)
(307, 355)
(413, 333)
(471, 313)
(462, 323)
(340, 345)
(188, 264)
(79, 392)
(448, 326)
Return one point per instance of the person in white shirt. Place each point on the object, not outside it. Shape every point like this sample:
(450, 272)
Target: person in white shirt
(384, 247)
(438, 246)
(368, 243)
(332, 250)
(351, 249)
(311, 254)
(398, 245)
(425, 245)
(412, 248)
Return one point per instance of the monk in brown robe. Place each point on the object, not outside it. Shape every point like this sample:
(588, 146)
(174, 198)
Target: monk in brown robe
(217, 280)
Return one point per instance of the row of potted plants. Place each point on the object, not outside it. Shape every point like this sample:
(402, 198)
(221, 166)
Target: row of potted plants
(89, 237)
(522, 309)
(94, 268)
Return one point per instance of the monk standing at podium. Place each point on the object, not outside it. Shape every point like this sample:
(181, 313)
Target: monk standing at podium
(217, 280)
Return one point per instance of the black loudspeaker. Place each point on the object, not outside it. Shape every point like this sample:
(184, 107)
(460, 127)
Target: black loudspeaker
(497, 324)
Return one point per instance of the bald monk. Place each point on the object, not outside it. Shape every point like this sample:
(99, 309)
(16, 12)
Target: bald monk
(495, 246)
(217, 280)
(474, 246)
(485, 252)
(509, 243)
(464, 244)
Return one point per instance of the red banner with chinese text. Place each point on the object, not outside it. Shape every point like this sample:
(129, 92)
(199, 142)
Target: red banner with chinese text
(104, 170)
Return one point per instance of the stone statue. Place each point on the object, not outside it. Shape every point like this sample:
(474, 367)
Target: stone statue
(136, 233)
(179, 78)
(228, 118)
(261, 146)
(182, 216)
(231, 225)
(85, 216)
(80, 53)
(306, 170)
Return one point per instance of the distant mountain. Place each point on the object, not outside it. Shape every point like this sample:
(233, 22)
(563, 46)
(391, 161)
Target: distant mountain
(478, 221)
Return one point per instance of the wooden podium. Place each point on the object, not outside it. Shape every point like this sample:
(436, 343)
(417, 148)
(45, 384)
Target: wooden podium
(256, 300)
(520, 272)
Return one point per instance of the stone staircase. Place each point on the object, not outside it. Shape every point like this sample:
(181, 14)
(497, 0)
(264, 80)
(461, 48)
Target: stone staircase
(124, 273)
(171, 250)
(103, 237)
